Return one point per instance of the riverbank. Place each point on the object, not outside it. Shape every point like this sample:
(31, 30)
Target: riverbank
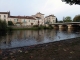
(62, 50)
(35, 27)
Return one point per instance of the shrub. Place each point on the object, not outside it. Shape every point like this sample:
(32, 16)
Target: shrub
(10, 23)
(3, 25)
(35, 26)
(9, 28)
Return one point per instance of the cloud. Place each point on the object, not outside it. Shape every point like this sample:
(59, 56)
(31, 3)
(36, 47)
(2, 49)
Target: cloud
(60, 9)
(47, 7)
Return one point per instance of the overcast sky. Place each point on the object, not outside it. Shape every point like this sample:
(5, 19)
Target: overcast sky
(30, 7)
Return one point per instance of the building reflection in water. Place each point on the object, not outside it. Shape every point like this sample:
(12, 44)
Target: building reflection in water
(26, 37)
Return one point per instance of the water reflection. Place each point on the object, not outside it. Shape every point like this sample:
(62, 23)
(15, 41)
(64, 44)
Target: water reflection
(31, 37)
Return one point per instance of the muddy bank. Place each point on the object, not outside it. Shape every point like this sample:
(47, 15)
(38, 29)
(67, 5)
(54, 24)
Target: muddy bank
(62, 50)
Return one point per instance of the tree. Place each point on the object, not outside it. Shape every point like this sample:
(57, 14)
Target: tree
(71, 2)
(56, 20)
(76, 18)
(3, 25)
(67, 19)
(60, 21)
(10, 23)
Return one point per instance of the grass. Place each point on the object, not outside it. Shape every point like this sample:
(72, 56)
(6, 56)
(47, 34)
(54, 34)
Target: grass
(34, 28)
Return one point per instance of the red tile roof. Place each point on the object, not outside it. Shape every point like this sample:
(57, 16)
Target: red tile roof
(38, 17)
(4, 12)
(40, 13)
(49, 16)
(52, 15)
(22, 17)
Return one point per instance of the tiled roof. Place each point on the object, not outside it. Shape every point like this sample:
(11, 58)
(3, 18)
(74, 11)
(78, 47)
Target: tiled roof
(4, 12)
(22, 17)
(49, 16)
(40, 13)
(38, 17)
(52, 15)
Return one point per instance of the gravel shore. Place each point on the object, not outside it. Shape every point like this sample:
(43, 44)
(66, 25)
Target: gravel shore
(68, 49)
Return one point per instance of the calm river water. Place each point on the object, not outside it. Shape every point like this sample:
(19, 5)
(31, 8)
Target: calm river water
(22, 38)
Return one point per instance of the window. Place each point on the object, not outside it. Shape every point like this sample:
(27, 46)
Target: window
(4, 16)
(24, 20)
(15, 20)
(29, 20)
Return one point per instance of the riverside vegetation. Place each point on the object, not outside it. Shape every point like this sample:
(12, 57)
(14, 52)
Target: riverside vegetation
(35, 27)
(4, 27)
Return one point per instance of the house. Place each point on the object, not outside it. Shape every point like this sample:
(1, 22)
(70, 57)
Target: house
(23, 20)
(37, 19)
(51, 19)
(4, 16)
(40, 17)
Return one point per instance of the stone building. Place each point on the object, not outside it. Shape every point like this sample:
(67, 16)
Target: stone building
(51, 19)
(23, 20)
(37, 19)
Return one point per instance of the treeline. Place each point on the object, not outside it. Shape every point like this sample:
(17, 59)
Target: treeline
(69, 19)
(3, 25)
(71, 2)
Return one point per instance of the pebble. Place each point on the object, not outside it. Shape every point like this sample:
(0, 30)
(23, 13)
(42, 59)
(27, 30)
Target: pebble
(26, 51)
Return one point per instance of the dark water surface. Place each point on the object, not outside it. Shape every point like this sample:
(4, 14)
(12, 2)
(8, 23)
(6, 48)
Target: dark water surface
(22, 38)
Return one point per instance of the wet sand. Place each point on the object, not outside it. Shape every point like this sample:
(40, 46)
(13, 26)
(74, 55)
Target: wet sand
(61, 50)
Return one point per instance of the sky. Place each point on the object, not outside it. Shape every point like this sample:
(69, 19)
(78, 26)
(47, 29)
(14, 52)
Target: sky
(47, 7)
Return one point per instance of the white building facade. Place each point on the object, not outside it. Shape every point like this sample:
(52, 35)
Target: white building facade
(37, 19)
(51, 19)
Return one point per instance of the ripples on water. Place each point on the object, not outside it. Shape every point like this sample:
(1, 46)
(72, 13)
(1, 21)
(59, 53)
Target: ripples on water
(22, 38)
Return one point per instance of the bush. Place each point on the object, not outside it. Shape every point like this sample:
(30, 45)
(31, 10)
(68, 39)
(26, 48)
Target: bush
(9, 28)
(10, 23)
(3, 25)
(35, 26)
(76, 18)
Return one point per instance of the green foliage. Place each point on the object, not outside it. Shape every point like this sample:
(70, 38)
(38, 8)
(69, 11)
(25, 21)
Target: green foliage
(10, 23)
(35, 26)
(67, 19)
(71, 2)
(76, 18)
(56, 20)
(42, 27)
(60, 21)
(3, 25)
(9, 28)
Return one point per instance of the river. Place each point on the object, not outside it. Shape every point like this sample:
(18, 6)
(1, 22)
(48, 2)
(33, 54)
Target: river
(20, 38)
